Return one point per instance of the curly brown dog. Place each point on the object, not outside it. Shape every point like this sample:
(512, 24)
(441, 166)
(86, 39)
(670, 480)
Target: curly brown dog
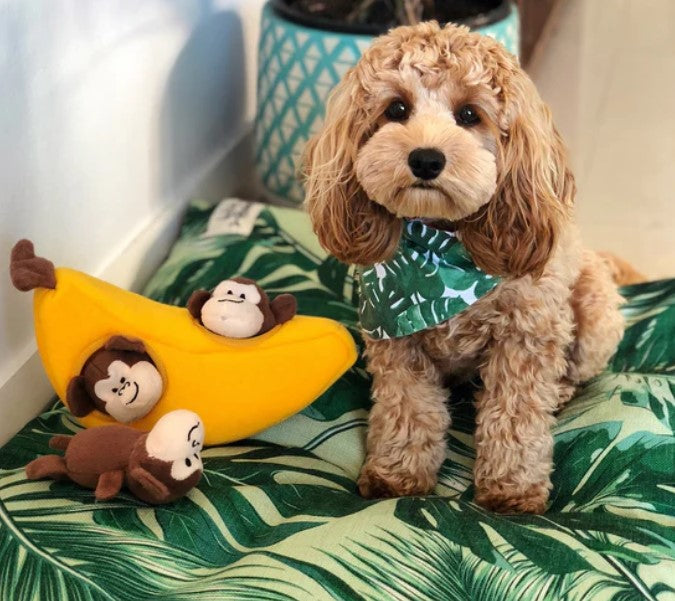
(494, 172)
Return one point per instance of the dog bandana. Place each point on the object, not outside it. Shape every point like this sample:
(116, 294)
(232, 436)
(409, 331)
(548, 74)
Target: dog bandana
(430, 279)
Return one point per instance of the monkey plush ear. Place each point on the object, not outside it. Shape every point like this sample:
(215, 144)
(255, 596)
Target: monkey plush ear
(284, 307)
(196, 301)
(156, 489)
(78, 399)
(122, 343)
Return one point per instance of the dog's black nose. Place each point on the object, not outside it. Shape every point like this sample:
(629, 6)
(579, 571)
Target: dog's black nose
(426, 163)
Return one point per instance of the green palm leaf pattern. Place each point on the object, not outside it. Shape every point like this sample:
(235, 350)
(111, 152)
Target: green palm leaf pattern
(647, 344)
(430, 278)
(278, 517)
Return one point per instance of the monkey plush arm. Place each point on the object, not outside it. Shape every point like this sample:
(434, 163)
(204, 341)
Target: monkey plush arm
(77, 397)
(122, 343)
(109, 485)
(284, 307)
(196, 301)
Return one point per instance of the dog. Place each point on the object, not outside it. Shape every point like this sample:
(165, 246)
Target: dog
(438, 129)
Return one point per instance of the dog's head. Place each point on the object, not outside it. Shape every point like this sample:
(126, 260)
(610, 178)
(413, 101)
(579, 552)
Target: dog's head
(441, 124)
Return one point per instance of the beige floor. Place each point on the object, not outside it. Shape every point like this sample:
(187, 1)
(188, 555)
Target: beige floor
(608, 73)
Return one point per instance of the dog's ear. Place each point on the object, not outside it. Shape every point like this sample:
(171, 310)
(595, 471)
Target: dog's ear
(515, 233)
(348, 224)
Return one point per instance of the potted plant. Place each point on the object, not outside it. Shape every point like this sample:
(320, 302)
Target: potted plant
(306, 46)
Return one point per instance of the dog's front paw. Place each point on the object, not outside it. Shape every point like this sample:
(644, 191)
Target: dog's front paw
(532, 500)
(376, 483)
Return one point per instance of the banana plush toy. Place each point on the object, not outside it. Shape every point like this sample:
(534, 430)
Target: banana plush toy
(238, 386)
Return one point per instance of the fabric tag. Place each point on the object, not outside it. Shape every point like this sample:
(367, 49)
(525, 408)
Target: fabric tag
(233, 216)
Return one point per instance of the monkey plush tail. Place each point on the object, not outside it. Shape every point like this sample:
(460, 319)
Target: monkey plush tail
(28, 271)
(60, 442)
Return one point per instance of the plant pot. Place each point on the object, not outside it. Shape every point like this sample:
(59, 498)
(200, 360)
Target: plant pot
(300, 61)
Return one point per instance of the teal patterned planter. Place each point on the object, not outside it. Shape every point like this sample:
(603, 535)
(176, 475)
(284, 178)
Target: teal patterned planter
(298, 66)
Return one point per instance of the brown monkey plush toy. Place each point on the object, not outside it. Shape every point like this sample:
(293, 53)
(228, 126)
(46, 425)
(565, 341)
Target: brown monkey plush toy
(119, 379)
(239, 308)
(159, 466)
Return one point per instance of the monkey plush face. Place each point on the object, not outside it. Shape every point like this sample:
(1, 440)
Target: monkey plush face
(239, 308)
(119, 379)
(234, 310)
(177, 439)
(130, 388)
(166, 463)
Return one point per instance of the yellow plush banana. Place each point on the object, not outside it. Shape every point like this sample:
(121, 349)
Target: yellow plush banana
(238, 387)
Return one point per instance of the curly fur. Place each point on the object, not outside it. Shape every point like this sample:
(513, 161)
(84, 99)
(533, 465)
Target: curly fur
(507, 190)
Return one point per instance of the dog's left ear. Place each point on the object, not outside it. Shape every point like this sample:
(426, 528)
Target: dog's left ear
(515, 233)
(348, 224)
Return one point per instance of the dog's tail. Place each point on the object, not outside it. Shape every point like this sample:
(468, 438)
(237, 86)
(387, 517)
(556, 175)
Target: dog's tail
(623, 273)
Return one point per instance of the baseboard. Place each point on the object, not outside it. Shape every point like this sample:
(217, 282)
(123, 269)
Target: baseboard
(27, 392)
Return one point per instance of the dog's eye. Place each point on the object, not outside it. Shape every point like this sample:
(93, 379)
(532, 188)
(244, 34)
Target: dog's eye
(242, 295)
(397, 111)
(467, 116)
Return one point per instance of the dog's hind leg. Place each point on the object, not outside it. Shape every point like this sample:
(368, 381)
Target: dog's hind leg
(598, 323)
(408, 421)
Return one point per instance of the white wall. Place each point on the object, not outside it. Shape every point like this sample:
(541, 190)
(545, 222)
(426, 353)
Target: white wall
(607, 75)
(112, 113)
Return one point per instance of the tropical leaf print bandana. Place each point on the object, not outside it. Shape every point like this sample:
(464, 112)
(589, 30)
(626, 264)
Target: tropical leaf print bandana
(430, 279)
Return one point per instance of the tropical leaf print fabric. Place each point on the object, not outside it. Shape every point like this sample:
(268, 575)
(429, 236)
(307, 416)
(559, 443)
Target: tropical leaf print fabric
(430, 279)
(278, 517)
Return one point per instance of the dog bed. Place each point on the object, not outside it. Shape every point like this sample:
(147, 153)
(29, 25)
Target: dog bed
(278, 517)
